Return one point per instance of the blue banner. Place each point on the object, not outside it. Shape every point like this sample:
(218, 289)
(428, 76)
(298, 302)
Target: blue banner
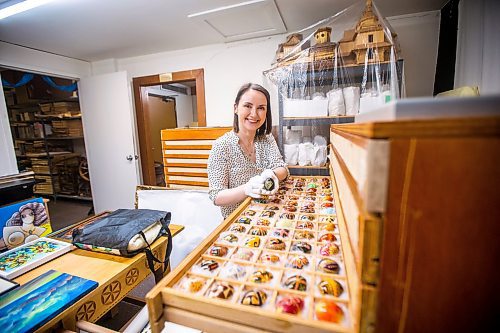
(71, 87)
(27, 77)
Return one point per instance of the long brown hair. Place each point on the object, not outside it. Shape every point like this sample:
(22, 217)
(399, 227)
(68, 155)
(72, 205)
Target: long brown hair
(268, 124)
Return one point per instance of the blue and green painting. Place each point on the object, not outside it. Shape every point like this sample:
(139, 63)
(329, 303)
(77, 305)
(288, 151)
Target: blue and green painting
(33, 304)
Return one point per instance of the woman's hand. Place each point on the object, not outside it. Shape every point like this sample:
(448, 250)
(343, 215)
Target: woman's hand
(254, 187)
(269, 189)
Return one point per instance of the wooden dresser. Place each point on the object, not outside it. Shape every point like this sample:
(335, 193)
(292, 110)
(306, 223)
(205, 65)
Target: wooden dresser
(185, 155)
(421, 203)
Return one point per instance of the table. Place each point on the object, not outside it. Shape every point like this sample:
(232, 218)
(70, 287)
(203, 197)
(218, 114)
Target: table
(116, 277)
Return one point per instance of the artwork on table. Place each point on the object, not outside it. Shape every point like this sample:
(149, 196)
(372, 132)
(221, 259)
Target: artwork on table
(7, 285)
(23, 222)
(33, 304)
(28, 256)
(66, 234)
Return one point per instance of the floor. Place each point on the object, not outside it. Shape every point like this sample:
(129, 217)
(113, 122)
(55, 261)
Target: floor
(64, 212)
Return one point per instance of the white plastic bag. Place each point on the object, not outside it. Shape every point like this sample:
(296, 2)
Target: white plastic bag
(351, 100)
(293, 136)
(291, 154)
(319, 155)
(336, 105)
(305, 153)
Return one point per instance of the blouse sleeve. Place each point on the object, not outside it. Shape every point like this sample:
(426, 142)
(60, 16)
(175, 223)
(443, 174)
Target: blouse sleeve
(218, 169)
(274, 160)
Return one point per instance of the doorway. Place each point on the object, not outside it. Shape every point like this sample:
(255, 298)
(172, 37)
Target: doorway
(176, 87)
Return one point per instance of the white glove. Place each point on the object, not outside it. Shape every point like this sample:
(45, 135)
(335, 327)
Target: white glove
(266, 175)
(254, 186)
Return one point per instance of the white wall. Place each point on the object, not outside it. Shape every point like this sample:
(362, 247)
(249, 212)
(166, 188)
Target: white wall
(226, 68)
(478, 47)
(418, 36)
(8, 163)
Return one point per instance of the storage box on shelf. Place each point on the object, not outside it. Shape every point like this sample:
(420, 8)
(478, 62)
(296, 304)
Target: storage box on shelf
(185, 155)
(313, 113)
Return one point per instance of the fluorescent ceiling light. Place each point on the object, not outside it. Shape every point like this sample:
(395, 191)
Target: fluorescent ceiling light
(20, 7)
(241, 4)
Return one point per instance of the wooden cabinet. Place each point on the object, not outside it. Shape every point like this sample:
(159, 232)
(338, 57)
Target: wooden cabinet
(185, 154)
(420, 204)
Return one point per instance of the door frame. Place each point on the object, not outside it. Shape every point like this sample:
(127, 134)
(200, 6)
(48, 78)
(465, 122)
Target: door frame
(147, 160)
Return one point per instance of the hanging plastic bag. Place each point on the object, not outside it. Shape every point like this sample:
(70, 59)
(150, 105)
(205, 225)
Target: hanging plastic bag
(351, 100)
(291, 154)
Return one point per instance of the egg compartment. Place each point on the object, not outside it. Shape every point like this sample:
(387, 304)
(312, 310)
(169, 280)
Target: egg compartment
(306, 225)
(285, 223)
(328, 237)
(296, 280)
(329, 249)
(304, 235)
(245, 220)
(244, 254)
(268, 214)
(252, 241)
(276, 244)
(207, 266)
(293, 304)
(219, 250)
(280, 233)
(257, 296)
(273, 258)
(326, 286)
(300, 261)
(193, 284)
(259, 231)
(307, 217)
(234, 271)
(328, 227)
(229, 238)
(333, 266)
(332, 311)
(304, 247)
(262, 275)
(223, 290)
(238, 228)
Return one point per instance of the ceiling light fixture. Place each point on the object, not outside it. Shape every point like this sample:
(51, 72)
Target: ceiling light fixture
(241, 4)
(16, 7)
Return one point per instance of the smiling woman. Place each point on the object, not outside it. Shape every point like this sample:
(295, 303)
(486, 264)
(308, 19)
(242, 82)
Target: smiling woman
(243, 160)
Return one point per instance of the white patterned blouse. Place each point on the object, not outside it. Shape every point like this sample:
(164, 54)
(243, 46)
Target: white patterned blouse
(229, 166)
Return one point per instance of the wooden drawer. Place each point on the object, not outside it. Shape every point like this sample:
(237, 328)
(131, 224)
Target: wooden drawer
(168, 301)
(185, 155)
(361, 167)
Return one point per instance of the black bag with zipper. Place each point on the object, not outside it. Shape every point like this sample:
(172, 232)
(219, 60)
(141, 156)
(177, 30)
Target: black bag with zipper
(127, 232)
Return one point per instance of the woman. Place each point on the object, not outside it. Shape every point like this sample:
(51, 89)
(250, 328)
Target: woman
(242, 160)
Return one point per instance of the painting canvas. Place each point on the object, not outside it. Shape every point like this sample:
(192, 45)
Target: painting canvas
(66, 234)
(23, 222)
(28, 256)
(35, 303)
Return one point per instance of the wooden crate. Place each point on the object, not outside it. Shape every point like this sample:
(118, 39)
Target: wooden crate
(221, 315)
(185, 154)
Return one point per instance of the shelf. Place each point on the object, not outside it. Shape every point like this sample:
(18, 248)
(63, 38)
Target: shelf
(308, 170)
(305, 121)
(64, 137)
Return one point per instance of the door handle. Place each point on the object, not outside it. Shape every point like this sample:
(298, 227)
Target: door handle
(130, 158)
